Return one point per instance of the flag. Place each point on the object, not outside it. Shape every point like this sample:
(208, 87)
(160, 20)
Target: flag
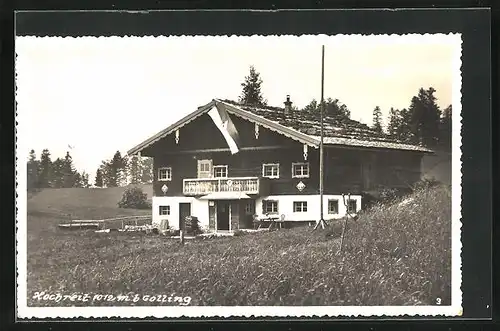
(223, 122)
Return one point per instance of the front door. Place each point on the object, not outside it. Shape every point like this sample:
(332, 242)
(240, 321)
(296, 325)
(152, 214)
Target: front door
(222, 215)
(184, 210)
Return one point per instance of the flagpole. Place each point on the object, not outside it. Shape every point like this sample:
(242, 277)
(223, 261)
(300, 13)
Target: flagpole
(321, 221)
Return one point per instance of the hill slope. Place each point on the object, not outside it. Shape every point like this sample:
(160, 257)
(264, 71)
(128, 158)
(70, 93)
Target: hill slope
(83, 202)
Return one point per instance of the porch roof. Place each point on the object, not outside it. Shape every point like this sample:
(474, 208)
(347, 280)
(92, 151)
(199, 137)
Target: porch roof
(225, 196)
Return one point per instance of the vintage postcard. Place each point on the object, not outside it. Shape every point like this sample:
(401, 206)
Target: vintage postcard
(264, 176)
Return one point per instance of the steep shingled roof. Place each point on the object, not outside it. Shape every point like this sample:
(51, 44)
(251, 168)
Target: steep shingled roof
(298, 125)
(336, 130)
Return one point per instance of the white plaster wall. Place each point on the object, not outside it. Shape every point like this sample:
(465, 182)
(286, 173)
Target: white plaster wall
(199, 208)
(285, 206)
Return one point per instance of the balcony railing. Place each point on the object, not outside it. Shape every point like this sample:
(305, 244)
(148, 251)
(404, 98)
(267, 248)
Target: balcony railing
(201, 186)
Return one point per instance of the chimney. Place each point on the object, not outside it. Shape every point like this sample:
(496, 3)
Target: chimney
(288, 105)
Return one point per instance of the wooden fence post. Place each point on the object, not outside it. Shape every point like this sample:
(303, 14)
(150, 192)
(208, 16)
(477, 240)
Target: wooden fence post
(344, 225)
(181, 230)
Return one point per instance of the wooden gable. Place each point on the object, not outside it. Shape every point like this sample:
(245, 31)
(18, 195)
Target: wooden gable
(202, 134)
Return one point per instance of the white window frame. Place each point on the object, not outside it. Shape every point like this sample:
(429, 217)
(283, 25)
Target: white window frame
(338, 206)
(302, 206)
(169, 174)
(273, 165)
(273, 202)
(219, 167)
(167, 209)
(208, 173)
(301, 164)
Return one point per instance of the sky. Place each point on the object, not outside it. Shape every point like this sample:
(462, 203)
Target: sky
(94, 96)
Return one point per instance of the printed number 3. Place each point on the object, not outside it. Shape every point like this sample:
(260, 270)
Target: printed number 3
(438, 301)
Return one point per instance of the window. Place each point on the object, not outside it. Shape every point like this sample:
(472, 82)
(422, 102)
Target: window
(164, 210)
(205, 169)
(270, 207)
(333, 206)
(249, 208)
(352, 206)
(165, 173)
(271, 170)
(220, 171)
(299, 206)
(300, 170)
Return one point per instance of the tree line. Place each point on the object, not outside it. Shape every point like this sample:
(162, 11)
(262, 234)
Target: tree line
(45, 173)
(124, 170)
(61, 173)
(422, 123)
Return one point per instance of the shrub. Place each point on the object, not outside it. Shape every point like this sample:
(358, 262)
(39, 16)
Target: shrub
(192, 225)
(134, 197)
(426, 183)
(383, 195)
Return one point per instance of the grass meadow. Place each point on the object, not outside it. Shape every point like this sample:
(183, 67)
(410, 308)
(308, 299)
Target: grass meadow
(394, 254)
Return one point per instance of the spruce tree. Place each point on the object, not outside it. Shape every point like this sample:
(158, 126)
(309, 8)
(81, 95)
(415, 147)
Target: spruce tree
(45, 175)
(98, 178)
(135, 169)
(58, 175)
(85, 179)
(424, 118)
(394, 123)
(147, 170)
(252, 94)
(377, 119)
(70, 176)
(108, 175)
(33, 168)
(117, 168)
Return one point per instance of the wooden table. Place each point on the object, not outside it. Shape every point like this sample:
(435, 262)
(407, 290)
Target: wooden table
(275, 221)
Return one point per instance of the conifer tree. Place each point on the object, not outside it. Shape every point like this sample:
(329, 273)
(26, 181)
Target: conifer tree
(33, 168)
(58, 178)
(377, 119)
(70, 176)
(98, 178)
(85, 179)
(252, 94)
(147, 170)
(394, 123)
(135, 169)
(45, 174)
(424, 118)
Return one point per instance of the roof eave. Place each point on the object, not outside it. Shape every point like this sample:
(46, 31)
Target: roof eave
(163, 133)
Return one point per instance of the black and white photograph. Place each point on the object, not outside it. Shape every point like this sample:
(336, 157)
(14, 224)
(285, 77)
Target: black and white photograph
(202, 176)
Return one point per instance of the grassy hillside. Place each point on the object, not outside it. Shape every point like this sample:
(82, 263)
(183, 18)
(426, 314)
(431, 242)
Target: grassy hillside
(83, 202)
(398, 254)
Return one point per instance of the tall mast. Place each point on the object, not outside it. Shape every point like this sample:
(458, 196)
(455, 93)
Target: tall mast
(321, 221)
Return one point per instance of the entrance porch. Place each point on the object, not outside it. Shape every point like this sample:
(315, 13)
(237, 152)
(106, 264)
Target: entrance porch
(230, 215)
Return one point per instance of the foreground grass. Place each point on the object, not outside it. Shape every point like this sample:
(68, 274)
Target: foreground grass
(393, 255)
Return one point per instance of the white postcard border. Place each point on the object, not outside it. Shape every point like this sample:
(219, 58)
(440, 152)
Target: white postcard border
(455, 309)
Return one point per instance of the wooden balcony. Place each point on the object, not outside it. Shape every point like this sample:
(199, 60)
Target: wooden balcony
(202, 186)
